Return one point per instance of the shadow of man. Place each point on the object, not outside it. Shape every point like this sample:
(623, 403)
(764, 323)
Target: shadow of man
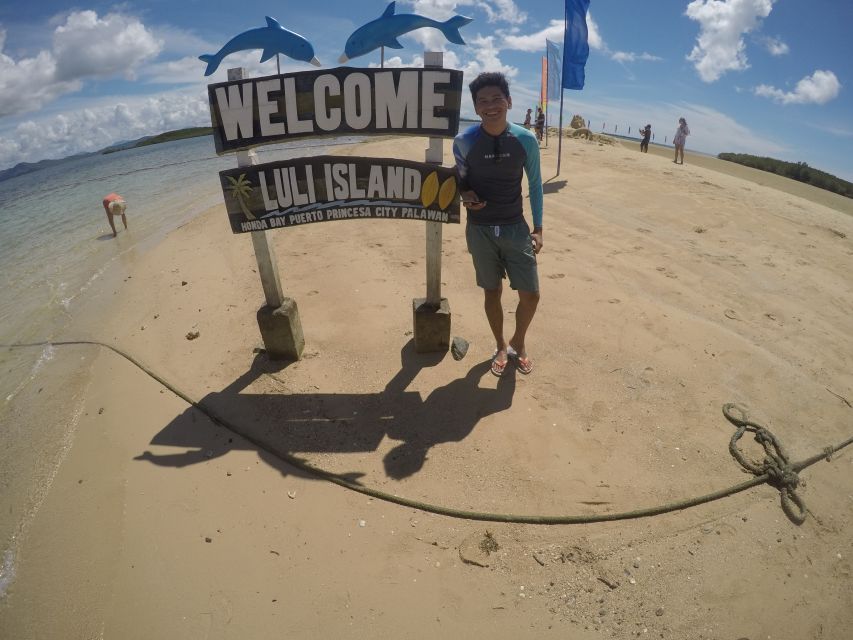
(448, 414)
(283, 425)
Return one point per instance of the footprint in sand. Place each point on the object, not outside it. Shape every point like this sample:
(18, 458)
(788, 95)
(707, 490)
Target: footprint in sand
(312, 293)
(614, 301)
(557, 276)
(667, 272)
(774, 318)
(641, 230)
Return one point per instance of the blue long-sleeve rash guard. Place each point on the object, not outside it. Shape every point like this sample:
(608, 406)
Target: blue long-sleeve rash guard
(492, 167)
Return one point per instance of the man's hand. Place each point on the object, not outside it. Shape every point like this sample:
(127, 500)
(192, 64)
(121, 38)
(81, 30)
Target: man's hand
(536, 236)
(471, 200)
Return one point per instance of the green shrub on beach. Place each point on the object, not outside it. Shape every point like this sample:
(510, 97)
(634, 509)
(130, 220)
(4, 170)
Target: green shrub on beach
(795, 170)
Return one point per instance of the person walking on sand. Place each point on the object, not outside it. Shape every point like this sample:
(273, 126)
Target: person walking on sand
(490, 159)
(528, 118)
(680, 139)
(647, 134)
(540, 124)
(115, 205)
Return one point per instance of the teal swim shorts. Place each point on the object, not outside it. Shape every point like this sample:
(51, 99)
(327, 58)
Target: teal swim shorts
(503, 251)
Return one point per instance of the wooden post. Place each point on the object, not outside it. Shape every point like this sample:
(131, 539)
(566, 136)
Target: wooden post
(278, 320)
(267, 268)
(431, 315)
(434, 154)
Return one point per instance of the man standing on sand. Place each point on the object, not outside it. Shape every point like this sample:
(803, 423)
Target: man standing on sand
(646, 132)
(540, 124)
(680, 139)
(490, 158)
(115, 205)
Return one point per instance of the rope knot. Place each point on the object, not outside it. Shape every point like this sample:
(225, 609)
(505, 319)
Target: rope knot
(779, 471)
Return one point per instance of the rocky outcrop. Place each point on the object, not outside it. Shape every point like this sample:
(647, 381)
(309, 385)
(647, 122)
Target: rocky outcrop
(578, 122)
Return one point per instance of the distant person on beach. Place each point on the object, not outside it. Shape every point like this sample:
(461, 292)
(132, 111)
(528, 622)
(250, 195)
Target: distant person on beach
(528, 118)
(647, 134)
(490, 160)
(540, 124)
(680, 139)
(115, 205)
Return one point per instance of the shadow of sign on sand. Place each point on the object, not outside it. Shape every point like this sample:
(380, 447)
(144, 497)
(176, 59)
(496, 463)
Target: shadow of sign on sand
(553, 186)
(291, 424)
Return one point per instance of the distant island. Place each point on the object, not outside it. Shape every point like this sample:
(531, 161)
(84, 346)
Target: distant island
(169, 136)
(799, 171)
(179, 134)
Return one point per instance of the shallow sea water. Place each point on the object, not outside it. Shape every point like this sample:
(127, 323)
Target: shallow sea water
(56, 251)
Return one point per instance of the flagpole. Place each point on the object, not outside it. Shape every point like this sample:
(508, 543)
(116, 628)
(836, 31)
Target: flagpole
(562, 90)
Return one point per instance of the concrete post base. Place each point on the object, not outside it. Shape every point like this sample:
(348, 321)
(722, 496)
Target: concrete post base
(281, 330)
(431, 325)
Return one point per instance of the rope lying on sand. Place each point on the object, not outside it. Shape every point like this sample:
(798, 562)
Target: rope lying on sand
(776, 470)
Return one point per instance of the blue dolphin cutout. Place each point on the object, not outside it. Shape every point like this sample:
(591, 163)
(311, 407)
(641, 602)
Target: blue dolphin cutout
(272, 38)
(384, 31)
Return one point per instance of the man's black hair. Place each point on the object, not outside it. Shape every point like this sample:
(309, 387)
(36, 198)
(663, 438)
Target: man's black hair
(489, 79)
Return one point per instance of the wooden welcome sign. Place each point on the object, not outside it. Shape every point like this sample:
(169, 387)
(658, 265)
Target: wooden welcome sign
(247, 112)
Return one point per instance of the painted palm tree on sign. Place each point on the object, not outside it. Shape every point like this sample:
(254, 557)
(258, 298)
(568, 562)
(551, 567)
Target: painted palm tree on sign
(240, 190)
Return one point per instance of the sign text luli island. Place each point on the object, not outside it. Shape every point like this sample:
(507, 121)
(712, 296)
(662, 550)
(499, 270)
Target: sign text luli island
(324, 188)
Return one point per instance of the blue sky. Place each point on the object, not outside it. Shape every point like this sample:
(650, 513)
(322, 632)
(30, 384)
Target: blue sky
(767, 77)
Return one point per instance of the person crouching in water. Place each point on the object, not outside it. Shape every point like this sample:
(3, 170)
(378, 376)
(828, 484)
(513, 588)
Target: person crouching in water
(115, 205)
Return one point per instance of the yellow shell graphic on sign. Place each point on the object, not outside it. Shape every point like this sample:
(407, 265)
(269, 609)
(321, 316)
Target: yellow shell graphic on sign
(430, 189)
(447, 192)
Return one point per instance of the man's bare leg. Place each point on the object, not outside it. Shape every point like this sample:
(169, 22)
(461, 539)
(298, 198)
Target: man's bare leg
(112, 225)
(527, 303)
(495, 316)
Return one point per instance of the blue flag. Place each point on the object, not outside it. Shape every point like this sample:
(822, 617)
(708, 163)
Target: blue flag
(575, 45)
(555, 65)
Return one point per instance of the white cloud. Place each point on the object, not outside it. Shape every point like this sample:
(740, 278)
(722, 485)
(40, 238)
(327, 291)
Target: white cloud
(97, 126)
(818, 88)
(720, 46)
(503, 10)
(84, 46)
(627, 56)
(87, 45)
(594, 38)
(441, 10)
(535, 41)
(485, 58)
(496, 10)
(190, 70)
(29, 83)
(775, 46)
(554, 32)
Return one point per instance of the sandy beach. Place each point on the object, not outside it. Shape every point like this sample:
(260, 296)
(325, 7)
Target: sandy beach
(667, 291)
